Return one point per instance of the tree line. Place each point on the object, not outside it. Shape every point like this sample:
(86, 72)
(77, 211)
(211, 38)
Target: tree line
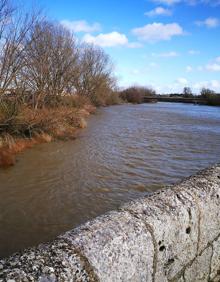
(207, 95)
(41, 62)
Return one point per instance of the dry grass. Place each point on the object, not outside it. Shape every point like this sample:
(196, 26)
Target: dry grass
(75, 101)
(22, 127)
(30, 123)
(10, 146)
(30, 127)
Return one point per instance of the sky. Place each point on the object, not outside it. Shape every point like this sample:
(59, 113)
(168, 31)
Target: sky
(164, 44)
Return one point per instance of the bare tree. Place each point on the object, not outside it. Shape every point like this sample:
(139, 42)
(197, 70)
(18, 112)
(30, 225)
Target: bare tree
(187, 92)
(6, 11)
(14, 31)
(94, 78)
(50, 59)
(41, 60)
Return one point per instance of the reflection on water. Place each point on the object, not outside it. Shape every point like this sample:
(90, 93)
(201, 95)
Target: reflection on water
(126, 152)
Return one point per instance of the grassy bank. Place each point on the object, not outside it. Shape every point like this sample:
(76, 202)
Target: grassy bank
(49, 81)
(24, 127)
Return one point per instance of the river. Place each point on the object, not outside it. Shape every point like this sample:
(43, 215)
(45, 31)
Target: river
(126, 152)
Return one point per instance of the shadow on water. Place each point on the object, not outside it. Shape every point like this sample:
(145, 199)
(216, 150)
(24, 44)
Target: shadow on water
(127, 151)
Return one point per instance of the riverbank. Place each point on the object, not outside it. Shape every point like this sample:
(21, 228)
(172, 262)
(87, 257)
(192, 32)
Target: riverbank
(125, 152)
(139, 95)
(29, 128)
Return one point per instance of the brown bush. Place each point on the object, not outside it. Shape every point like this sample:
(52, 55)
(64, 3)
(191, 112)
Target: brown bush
(75, 101)
(29, 123)
(136, 94)
(113, 99)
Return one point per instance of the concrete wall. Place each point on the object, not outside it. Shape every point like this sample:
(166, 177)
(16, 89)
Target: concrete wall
(172, 235)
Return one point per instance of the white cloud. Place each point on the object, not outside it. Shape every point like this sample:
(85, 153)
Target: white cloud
(135, 72)
(200, 68)
(167, 2)
(182, 81)
(212, 84)
(166, 55)
(153, 64)
(112, 39)
(134, 45)
(213, 67)
(81, 26)
(189, 69)
(177, 86)
(209, 22)
(107, 39)
(193, 52)
(157, 31)
(159, 11)
(215, 84)
(212, 3)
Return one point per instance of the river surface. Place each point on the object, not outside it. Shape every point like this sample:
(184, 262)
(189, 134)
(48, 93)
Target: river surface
(126, 152)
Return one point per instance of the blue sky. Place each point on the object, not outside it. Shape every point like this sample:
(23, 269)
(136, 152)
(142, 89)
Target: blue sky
(166, 44)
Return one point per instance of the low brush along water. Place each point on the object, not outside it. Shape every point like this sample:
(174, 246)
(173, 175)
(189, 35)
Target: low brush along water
(126, 152)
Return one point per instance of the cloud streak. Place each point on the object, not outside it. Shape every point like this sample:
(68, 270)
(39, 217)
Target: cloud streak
(167, 2)
(170, 54)
(209, 22)
(188, 2)
(112, 39)
(157, 32)
(158, 11)
(81, 26)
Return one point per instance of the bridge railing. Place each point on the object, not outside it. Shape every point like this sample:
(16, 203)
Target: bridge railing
(171, 235)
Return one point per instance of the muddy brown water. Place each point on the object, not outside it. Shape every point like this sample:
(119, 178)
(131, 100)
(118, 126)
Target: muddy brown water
(126, 152)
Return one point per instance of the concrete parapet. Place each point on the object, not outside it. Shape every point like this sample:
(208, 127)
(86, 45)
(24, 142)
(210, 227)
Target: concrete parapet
(171, 235)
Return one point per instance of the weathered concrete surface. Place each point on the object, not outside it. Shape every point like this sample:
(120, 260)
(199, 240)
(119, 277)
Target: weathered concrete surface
(200, 268)
(172, 235)
(116, 245)
(215, 263)
(46, 263)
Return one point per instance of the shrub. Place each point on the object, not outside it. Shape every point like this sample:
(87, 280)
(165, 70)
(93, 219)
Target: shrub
(113, 99)
(136, 94)
(75, 101)
(9, 109)
(206, 93)
(212, 98)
